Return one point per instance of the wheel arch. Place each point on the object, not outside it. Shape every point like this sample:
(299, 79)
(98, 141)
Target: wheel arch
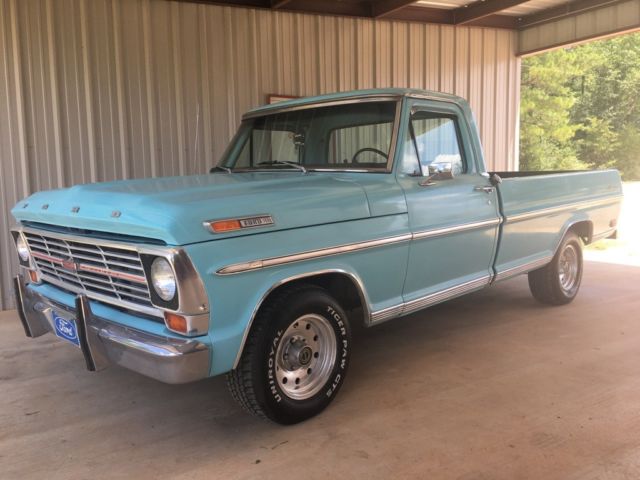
(345, 286)
(582, 228)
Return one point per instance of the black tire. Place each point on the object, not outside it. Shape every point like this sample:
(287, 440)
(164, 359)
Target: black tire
(259, 384)
(558, 282)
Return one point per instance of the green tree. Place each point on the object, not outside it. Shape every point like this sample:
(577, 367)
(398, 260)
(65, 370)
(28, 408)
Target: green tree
(546, 99)
(628, 154)
(581, 109)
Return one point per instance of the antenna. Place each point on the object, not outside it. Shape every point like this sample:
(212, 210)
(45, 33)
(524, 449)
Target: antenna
(195, 146)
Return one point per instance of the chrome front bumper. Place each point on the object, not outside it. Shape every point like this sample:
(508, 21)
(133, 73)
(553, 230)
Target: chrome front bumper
(104, 343)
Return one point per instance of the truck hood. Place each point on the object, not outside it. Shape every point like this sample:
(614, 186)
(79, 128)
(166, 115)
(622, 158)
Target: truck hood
(173, 209)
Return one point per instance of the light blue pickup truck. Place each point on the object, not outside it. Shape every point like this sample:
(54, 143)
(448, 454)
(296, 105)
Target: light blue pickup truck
(323, 212)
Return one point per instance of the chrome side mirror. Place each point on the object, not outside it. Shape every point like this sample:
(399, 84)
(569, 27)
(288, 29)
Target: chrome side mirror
(441, 171)
(438, 171)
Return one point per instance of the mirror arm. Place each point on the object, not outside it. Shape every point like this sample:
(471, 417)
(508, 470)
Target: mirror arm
(429, 180)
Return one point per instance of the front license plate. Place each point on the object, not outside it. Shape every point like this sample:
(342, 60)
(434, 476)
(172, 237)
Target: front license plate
(66, 329)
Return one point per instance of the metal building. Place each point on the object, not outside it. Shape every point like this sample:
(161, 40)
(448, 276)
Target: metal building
(96, 90)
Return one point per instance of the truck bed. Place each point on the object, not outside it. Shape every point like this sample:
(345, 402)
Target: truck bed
(539, 207)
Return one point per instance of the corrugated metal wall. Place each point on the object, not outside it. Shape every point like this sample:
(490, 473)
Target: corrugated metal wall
(94, 90)
(602, 22)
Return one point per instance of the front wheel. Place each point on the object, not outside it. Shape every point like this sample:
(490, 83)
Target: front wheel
(558, 282)
(295, 358)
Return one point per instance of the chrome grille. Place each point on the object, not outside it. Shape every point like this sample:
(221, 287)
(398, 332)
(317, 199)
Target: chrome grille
(108, 273)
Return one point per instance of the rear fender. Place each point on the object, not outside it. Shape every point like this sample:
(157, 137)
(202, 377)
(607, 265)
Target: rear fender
(581, 225)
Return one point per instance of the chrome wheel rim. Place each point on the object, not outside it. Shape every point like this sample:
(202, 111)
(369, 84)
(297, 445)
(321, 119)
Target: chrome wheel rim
(568, 268)
(306, 356)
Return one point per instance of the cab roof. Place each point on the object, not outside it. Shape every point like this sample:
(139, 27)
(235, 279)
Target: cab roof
(353, 95)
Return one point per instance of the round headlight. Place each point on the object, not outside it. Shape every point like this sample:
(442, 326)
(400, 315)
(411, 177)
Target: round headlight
(163, 279)
(23, 250)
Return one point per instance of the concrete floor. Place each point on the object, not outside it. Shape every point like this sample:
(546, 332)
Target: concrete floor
(489, 386)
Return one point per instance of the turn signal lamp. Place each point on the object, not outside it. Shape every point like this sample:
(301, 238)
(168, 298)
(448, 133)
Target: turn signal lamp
(175, 322)
(225, 225)
(33, 276)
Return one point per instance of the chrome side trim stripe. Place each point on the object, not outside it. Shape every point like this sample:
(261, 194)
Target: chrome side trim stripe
(309, 255)
(428, 300)
(443, 295)
(455, 229)
(526, 267)
(323, 252)
(562, 208)
(386, 314)
(351, 247)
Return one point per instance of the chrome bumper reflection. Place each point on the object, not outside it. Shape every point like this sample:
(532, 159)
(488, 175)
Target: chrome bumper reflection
(103, 343)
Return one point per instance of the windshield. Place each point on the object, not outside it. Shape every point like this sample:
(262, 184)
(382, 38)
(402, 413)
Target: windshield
(349, 136)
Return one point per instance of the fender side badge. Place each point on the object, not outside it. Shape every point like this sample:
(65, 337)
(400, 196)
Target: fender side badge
(234, 224)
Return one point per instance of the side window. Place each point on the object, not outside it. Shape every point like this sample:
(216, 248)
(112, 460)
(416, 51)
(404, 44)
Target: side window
(435, 138)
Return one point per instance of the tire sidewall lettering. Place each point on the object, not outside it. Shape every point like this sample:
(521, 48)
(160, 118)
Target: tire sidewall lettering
(271, 365)
(341, 360)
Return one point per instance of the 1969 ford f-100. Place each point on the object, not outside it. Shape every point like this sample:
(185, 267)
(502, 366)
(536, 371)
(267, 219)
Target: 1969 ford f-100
(325, 211)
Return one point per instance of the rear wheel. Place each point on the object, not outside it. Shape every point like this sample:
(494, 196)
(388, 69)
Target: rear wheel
(558, 282)
(295, 358)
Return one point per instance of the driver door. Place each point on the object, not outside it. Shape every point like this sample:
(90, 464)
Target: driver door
(453, 215)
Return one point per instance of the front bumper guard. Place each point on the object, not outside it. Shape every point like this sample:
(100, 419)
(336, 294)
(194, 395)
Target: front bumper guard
(104, 343)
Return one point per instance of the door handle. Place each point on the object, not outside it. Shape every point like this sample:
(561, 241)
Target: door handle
(484, 188)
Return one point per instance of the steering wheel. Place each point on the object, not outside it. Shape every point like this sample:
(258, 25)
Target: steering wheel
(368, 149)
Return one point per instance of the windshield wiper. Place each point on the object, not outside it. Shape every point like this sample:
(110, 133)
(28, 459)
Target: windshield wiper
(218, 167)
(282, 162)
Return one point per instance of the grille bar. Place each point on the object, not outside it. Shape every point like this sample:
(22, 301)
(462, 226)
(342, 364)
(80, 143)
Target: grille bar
(105, 273)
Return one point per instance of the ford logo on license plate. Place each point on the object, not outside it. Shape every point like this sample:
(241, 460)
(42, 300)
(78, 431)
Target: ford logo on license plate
(66, 329)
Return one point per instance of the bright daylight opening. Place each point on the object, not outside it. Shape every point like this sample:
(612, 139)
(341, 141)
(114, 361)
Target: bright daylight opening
(580, 109)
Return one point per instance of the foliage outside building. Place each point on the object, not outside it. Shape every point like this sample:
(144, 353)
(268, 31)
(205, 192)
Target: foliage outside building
(580, 108)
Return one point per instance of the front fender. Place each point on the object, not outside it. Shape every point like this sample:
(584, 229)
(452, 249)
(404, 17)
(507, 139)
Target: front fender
(234, 299)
